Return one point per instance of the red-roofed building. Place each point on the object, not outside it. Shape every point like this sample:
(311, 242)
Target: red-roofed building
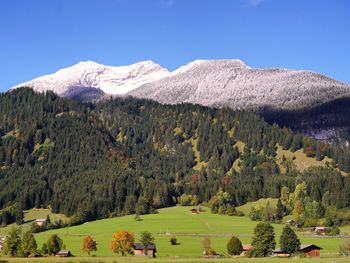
(245, 249)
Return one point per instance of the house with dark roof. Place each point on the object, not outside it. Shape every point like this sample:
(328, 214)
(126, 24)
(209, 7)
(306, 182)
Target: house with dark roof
(194, 211)
(64, 254)
(139, 250)
(309, 250)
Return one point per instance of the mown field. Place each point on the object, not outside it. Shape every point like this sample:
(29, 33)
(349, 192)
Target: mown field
(189, 230)
(172, 260)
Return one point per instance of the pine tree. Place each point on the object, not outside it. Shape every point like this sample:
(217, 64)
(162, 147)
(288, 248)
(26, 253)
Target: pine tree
(289, 242)
(54, 244)
(28, 244)
(263, 241)
(279, 210)
(12, 243)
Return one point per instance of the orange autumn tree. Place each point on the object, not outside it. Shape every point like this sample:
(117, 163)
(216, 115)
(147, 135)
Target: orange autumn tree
(89, 244)
(123, 242)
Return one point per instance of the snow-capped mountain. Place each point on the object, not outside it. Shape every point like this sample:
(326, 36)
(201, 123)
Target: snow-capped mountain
(217, 83)
(305, 101)
(91, 76)
(233, 84)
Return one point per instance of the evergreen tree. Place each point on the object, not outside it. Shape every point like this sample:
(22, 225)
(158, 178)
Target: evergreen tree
(263, 241)
(28, 244)
(234, 246)
(12, 244)
(279, 210)
(289, 242)
(54, 244)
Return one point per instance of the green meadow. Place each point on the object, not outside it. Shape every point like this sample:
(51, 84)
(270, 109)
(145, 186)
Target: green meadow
(170, 260)
(189, 229)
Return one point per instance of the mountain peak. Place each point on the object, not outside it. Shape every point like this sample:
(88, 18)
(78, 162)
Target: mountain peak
(106, 79)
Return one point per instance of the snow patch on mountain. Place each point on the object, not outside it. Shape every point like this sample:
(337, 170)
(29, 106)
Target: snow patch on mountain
(111, 80)
(230, 83)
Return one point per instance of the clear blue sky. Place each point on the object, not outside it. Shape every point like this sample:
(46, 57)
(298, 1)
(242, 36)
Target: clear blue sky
(41, 36)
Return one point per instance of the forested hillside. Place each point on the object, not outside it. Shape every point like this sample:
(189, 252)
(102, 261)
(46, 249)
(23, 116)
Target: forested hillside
(126, 155)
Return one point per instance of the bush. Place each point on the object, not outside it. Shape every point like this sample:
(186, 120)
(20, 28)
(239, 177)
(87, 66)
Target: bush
(173, 241)
(344, 249)
(333, 231)
(234, 246)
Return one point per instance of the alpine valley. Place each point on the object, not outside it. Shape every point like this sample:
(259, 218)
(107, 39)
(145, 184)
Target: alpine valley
(93, 142)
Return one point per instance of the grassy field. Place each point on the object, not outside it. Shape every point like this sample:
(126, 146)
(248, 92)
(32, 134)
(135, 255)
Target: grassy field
(31, 215)
(189, 230)
(262, 202)
(173, 260)
(300, 160)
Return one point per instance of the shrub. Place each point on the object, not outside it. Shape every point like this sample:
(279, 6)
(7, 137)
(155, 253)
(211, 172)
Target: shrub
(173, 241)
(234, 246)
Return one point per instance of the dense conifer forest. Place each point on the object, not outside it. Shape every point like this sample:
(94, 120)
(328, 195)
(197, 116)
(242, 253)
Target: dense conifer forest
(125, 155)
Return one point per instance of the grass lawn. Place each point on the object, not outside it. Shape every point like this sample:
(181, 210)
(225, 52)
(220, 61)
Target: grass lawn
(178, 222)
(31, 215)
(173, 260)
(263, 201)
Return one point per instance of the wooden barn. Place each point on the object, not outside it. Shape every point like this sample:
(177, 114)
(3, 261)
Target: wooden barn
(194, 211)
(64, 254)
(139, 250)
(310, 250)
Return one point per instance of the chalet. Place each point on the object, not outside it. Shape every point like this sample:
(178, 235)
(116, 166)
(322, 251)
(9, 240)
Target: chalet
(194, 211)
(2, 241)
(320, 230)
(139, 250)
(34, 255)
(280, 253)
(40, 221)
(245, 249)
(310, 250)
(64, 254)
(290, 222)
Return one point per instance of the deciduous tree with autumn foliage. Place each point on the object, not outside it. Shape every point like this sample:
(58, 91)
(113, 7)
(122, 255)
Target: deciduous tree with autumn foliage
(123, 242)
(89, 244)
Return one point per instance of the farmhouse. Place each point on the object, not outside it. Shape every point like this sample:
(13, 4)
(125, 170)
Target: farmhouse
(40, 221)
(309, 250)
(280, 253)
(290, 222)
(320, 230)
(64, 254)
(245, 249)
(139, 250)
(194, 211)
(2, 241)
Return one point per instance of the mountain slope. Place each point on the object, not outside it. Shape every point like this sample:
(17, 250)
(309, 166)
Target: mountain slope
(305, 101)
(94, 161)
(90, 77)
(231, 83)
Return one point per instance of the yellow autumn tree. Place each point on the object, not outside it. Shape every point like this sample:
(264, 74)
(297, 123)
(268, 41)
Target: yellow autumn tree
(89, 244)
(123, 242)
